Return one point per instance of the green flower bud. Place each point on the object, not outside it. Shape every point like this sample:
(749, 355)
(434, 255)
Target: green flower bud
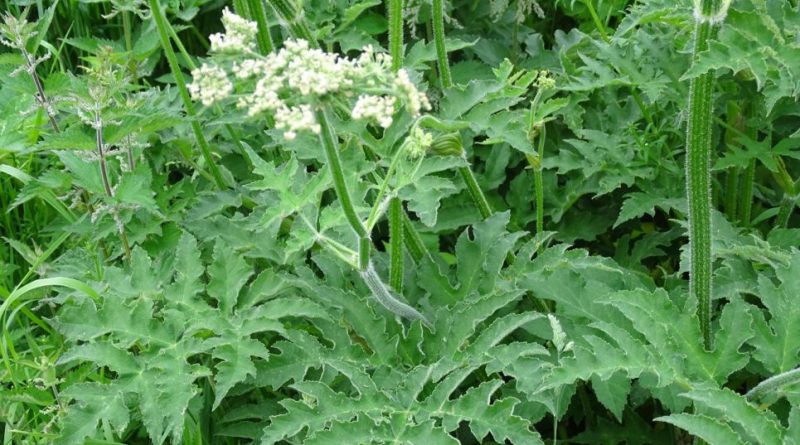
(447, 144)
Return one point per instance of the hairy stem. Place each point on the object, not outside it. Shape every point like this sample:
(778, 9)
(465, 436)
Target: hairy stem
(773, 384)
(127, 31)
(329, 143)
(389, 301)
(394, 11)
(100, 146)
(396, 244)
(698, 171)
(31, 62)
(172, 60)
(475, 192)
(441, 50)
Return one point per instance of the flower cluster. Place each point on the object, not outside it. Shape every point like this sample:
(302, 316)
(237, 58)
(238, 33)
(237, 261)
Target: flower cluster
(545, 81)
(294, 119)
(417, 142)
(240, 34)
(292, 82)
(210, 85)
(380, 108)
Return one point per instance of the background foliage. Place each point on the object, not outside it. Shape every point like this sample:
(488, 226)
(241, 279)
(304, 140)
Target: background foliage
(172, 297)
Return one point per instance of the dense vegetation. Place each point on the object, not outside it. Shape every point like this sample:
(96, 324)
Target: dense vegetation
(400, 222)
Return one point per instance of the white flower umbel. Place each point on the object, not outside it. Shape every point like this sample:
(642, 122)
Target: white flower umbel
(291, 84)
(210, 84)
(294, 119)
(240, 34)
(379, 108)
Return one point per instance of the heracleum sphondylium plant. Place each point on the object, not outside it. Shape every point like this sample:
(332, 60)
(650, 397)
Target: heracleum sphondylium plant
(296, 87)
(708, 14)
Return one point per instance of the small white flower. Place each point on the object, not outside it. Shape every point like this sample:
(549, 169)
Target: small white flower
(210, 84)
(294, 119)
(240, 34)
(379, 108)
(415, 100)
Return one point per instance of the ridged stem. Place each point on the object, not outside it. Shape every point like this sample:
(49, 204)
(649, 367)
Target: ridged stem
(241, 9)
(413, 241)
(475, 192)
(698, 171)
(539, 183)
(329, 143)
(288, 11)
(259, 15)
(735, 127)
(172, 60)
(187, 60)
(396, 244)
(394, 11)
(438, 38)
(100, 146)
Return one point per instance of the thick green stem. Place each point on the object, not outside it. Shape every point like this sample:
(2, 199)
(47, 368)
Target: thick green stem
(329, 143)
(241, 9)
(441, 50)
(263, 38)
(187, 59)
(396, 244)
(538, 183)
(698, 173)
(734, 128)
(475, 192)
(413, 241)
(394, 11)
(127, 31)
(289, 12)
(172, 60)
(774, 384)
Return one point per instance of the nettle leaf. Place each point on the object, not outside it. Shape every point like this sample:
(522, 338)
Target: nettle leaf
(135, 188)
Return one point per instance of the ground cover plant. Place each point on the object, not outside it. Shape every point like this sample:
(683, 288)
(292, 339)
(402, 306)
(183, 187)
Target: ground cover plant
(400, 222)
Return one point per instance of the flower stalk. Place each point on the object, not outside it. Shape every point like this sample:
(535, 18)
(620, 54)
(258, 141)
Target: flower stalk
(396, 245)
(395, 17)
(172, 60)
(441, 50)
(329, 143)
(708, 13)
(773, 384)
(293, 18)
